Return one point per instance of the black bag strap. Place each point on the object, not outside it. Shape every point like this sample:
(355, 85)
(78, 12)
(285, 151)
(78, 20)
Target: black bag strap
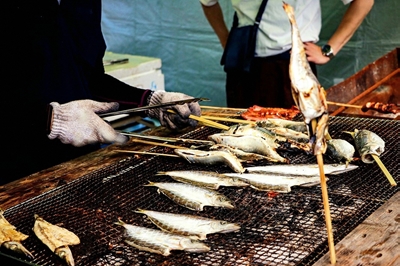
(258, 17)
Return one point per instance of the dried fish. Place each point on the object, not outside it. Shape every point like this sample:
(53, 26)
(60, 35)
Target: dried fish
(10, 238)
(301, 169)
(211, 158)
(277, 183)
(156, 241)
(56, 238)
(193, 226)
(340, 150)
(367, 143)
(249, 143)
(192, 197)
(308, 93)
(206, 179)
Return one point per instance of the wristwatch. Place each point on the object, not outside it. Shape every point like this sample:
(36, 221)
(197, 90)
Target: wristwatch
(327, 51)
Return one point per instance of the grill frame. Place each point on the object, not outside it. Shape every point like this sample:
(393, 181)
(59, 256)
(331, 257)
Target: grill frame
(288, 229)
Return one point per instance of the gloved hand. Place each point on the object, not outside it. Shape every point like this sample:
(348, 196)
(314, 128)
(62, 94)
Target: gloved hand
(76, 123)
(181, 118)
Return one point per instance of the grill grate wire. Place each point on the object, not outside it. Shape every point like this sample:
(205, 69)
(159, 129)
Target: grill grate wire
(286, 229)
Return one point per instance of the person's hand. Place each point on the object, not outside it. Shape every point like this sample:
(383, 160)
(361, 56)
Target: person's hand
(183, 111)
(314, 54)
(77, 123)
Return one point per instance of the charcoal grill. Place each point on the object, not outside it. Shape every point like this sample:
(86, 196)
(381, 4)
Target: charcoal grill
(282, 229)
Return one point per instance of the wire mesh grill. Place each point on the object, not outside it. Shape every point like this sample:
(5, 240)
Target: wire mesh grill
(282, 229)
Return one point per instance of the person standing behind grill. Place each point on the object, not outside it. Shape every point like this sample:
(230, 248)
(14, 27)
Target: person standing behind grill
(268, 83)
(54, 79)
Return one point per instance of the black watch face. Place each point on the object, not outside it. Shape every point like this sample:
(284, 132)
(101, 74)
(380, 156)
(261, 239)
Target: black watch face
(326, 49)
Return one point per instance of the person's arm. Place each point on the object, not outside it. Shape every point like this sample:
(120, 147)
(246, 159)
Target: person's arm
(352, 19)
(215, 17)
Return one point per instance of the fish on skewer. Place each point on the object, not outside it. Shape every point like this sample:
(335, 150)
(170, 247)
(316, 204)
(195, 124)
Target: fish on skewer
(298, 126)
(193, 226)
(309, 96)
(340, 150)
(367, 143)
(301, 169)
(11, 239)
(206, 179)
(307, 92)
(211, 158)
(241, 155)
(56, 238)
(160, 242)
(191, 196)
(249, 143)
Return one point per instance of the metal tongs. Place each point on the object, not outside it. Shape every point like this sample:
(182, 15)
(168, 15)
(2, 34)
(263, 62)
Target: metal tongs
(148, 107)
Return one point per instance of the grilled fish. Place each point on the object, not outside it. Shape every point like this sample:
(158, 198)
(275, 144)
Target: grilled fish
(276, 122)
(193, 226)
(206, 179)
(249, 143)
(56, 238)
(301, 169)
(211, 158)
(340, 150)
(10, 238)
(367, 143)
(192, 197)
(307, 92)
(241, 155)
(277, 183)
(156, 241)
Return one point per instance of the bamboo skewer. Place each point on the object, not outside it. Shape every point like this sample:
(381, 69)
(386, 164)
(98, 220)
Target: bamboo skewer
(239, 121)
(168, 139)
(148, 153)
(384, 169)
(325, 199)
(205, 121)
(158, 144)
(344, 104)
(218, 114)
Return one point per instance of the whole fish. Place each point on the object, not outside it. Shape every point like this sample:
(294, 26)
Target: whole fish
(307, 92)
(157, 241)
(340, 150)
(10, 238)
(276, 183)
(211, 158)
(367, 143)
(241, 155)
(298, 126)
(192, 197)
(249, 143)
(193, 226)
(206, 179)
(56, 238)
(301, 169)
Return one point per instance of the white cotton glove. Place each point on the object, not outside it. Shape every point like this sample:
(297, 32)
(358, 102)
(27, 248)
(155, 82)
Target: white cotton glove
(77, 123)
(181, 118)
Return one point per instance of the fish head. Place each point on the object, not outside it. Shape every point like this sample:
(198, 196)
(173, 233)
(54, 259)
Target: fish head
(65, 254)
(225, 227)
(223, 201)
(17, 247)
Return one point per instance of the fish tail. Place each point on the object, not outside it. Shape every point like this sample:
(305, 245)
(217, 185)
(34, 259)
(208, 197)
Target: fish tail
(161, 173)
(348, 132)
(120, 222)
(150, 184)
(140, 211)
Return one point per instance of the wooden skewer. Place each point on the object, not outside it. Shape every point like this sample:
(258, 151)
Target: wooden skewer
(148, 153)
(344, 104)
(157, 144)
(205, 121)
(239, 121)
(327, 211)
(219, 114)
(384, 169)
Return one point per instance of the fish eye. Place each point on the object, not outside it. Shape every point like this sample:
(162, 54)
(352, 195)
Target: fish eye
(223, 222)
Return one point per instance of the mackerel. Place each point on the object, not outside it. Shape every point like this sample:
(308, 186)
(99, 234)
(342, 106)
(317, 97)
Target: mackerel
(206, 179)
(192, 197)
(193, 226)
(156, 241)
(277, 183)
(301, 169)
